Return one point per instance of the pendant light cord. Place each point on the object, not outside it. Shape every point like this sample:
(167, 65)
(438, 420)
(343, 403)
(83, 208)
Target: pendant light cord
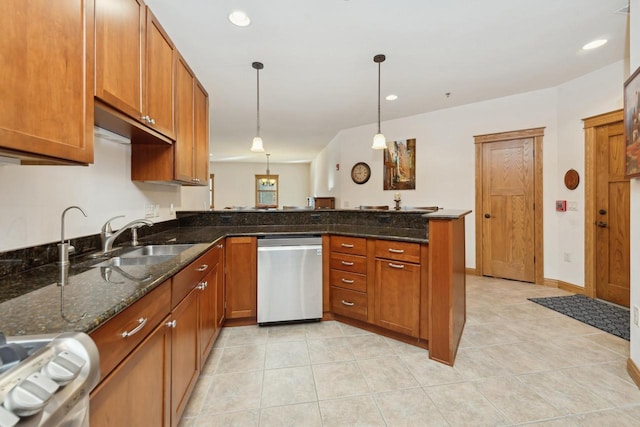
(379, 97)
(258, 103)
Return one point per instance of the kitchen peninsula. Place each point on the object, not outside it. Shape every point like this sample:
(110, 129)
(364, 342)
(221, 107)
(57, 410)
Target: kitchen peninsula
(408, 283)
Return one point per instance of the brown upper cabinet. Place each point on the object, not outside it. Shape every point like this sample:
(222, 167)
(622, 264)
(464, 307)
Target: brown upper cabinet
(134, 70)
(43, 121)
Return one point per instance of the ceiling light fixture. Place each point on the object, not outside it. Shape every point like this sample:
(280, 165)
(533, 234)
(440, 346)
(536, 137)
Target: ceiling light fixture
(594, 44)
(268, 181)
(239, 18)
(379, 141)
(257, 146)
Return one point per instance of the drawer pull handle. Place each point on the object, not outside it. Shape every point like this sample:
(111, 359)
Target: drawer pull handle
(171, 324)
(347, 281)
(392, 265)
(203, 267)
(396, 251)
(346, 263)
(202, 286)
(350, 304)
(346, 245)
(141, 322)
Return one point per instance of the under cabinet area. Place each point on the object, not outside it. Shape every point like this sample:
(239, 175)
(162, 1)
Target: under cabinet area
(44, 43)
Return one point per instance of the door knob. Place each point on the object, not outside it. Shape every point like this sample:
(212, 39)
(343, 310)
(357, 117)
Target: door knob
(602, 212)
(601, 224)
(487, 215)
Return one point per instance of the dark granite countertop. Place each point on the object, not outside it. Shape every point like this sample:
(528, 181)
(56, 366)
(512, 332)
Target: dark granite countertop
(32, 302)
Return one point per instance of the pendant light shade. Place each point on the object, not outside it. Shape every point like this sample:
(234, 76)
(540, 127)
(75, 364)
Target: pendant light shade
(257, 146)
(379, 141)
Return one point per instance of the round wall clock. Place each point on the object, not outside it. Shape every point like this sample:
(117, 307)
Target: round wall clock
(360, 173)
(571, 179)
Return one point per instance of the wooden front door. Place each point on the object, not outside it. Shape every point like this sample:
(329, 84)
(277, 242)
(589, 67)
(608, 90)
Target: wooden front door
(612, 199)
(508, 247)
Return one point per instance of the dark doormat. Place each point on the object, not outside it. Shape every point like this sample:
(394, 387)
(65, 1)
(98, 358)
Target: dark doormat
(607, 317)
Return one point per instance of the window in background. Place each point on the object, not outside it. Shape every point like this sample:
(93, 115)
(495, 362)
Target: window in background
(267, 191)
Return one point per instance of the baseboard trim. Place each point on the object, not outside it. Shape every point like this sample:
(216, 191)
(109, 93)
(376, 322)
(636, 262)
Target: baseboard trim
(633, 371)
(472, 271)
(565, 286)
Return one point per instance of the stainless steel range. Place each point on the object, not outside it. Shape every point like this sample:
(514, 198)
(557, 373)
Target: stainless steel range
(45, 380)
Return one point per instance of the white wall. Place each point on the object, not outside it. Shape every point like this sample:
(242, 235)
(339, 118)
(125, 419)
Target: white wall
(445, 162)
(33, 197)
(235, 186)
(635, 194)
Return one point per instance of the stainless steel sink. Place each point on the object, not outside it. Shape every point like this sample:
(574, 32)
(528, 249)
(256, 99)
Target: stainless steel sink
(121, 261)
(157, 250)
(146, 255)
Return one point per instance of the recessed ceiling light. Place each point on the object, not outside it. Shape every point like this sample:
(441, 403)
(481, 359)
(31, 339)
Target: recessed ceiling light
(391, 97)
(239, 18)
(594, 44)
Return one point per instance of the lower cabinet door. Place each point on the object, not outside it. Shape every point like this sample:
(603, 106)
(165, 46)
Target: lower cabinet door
(137, 392)
(397, 296)
(185, 354)
(207, 307)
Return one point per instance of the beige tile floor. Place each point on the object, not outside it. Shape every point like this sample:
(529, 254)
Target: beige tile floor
(518, 364)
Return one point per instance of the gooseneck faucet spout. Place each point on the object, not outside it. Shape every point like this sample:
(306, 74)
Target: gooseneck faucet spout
(108, 236)
(65, 248)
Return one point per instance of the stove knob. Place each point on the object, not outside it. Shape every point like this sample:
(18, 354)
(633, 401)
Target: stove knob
(31, 395)
(64, 368)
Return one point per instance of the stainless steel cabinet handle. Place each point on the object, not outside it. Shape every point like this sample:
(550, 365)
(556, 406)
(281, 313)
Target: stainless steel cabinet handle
(171, 324)
(203, 267)
(152, 121)
(201, 286)
(347, 281)
(396, 251)
(348, 303)
(141, 322)
(346, 245)
(346, 263)
(145, 118)
(392, 265)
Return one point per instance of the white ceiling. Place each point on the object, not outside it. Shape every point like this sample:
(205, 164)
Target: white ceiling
(319, 76)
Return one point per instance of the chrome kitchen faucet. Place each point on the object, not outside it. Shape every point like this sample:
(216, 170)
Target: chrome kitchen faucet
(108, 236)
(65, 248)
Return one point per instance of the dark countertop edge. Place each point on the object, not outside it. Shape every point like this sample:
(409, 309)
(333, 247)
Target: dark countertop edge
(447, 214)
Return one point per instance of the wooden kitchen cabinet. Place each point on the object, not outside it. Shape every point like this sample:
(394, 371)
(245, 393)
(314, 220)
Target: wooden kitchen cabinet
(397, 287)
(211, 302)
(241, 277)
(185, 353)
(136, 393)
(134, 67)
(348, 277)
(44, 43)
(186, 161)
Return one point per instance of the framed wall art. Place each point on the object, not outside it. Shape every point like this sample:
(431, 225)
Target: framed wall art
(632, 124)
(400, 165)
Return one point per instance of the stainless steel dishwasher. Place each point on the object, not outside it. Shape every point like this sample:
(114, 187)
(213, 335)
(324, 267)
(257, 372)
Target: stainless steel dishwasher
(289, 278)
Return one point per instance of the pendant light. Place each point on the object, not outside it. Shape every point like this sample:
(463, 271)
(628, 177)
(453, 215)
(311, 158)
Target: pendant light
(379, 141)
(268, 181)
(257, 146)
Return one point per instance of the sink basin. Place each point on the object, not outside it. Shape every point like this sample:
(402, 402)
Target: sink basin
(138, 260)
(157, 251)
(146, 255)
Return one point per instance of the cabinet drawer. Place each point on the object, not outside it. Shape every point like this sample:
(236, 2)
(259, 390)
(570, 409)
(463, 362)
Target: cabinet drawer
(344, 279)
(349, 245)
(349, 303)
(137, 321)
(351, 263)
(402, 251)
(190, 276)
